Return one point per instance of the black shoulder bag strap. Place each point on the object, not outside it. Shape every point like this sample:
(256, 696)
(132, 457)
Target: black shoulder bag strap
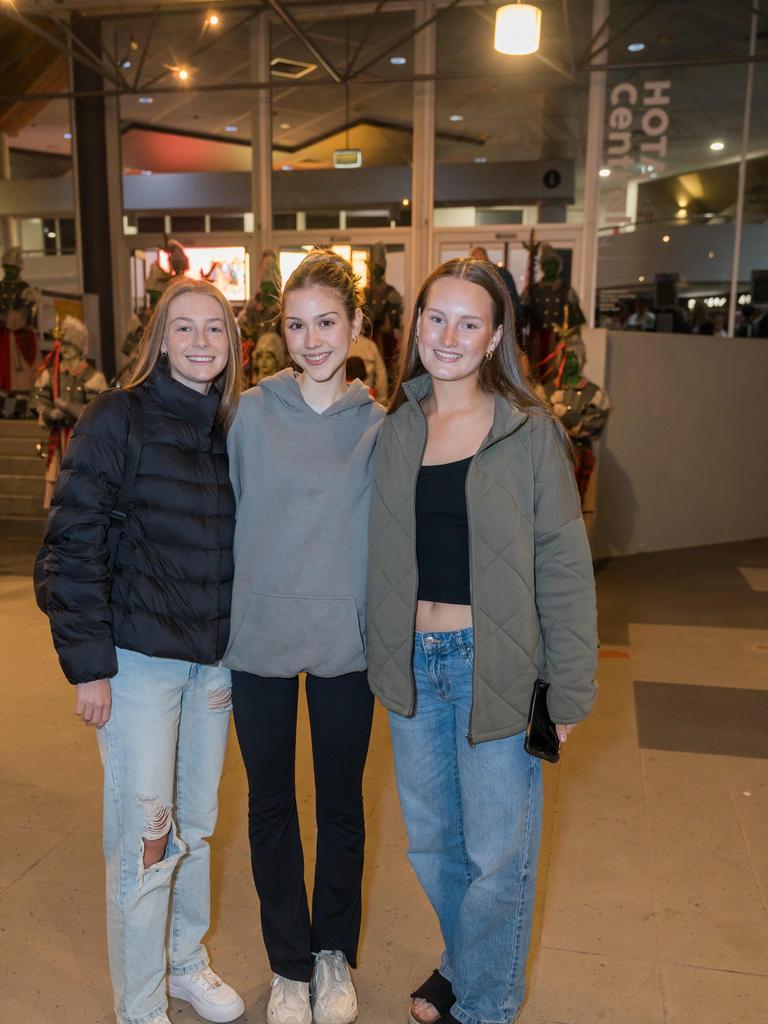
(132, 452)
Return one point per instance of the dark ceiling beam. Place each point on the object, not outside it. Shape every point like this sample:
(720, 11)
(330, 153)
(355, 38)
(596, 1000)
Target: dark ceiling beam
(145, 48)
(301, 35)
(59, 44)
(363, 39)
(456, 77)
(215, 38)
(589, 58)
(569, 36)
(411, 34)
(97, 59)
(366, 122)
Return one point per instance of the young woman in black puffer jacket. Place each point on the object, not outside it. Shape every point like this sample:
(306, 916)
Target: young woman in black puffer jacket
(143, 645)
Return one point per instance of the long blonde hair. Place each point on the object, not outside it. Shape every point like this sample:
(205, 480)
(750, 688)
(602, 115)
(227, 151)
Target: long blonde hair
(229, 381)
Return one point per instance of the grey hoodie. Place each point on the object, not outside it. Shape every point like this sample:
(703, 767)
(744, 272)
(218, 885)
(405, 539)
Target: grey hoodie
(302, 482)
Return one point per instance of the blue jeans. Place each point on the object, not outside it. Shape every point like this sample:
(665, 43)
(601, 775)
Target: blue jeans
(473, 815)
(162, 751)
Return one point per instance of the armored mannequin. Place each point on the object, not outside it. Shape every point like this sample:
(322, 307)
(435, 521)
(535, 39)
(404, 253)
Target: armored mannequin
(65, 384)
(580, 405)
(383, 305)
(259, 314)
(547, 303)
(18, 336)
(269, 356)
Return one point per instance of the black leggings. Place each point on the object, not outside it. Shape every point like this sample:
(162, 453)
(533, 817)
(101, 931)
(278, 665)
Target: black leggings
(340, 716)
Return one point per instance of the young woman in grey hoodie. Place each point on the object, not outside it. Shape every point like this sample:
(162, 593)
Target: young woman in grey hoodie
(301, 462)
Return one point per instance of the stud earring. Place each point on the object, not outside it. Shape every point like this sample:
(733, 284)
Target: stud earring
(489, 354)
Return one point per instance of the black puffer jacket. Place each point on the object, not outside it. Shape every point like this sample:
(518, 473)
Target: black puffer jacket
(172, 585)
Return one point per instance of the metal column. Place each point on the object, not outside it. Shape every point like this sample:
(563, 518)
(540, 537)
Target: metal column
(733, 300)
(261, 148)
(423, 181)
(593, 162)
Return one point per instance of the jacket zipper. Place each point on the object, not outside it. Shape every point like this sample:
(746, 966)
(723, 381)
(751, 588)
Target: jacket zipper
(470, 741)
(412, 708)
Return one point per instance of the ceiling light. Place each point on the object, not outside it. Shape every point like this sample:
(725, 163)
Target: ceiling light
(406, 201)
(665, 238)
(636, 47)
(146, 99)
(456, 117)
(51, 234)
(125, 64)
(518, 29)
(710, 255)
(67, 135)
(682, 213)
(398, 60)
(213, 20)
(230, 127)
(604, 172)
(717, 145)
(641, 278)
(481, 159)
(285, 125)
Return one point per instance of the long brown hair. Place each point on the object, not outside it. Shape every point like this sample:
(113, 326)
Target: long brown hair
(229, 381)
(501, 374)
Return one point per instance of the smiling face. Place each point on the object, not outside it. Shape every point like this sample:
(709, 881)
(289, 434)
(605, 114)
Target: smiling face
(456, 329)
(318, 331)
(196, 340)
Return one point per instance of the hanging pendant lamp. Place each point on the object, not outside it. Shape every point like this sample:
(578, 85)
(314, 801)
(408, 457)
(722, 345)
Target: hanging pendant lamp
(518, 29)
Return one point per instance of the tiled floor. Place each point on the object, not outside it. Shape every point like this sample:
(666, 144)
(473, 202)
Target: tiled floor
(653, 888)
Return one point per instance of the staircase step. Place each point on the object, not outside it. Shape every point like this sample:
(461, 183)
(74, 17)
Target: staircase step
(21, 486)
(19, 428)
(21, 445)
(21, 505)
(22, 465)
(12, 527)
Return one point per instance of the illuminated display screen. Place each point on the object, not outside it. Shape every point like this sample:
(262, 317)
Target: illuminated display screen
(226, 266)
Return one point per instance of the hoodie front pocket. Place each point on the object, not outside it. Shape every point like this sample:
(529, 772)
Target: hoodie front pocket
(282, 635)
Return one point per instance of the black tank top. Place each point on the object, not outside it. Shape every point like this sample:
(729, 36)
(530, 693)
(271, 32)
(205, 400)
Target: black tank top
(442, 534)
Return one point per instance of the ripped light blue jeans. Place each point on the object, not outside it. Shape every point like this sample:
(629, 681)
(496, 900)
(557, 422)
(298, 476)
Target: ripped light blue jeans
(162, 751)
(473, 816)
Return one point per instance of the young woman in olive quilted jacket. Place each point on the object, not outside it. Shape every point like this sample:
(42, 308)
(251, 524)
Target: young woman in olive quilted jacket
(480, 582)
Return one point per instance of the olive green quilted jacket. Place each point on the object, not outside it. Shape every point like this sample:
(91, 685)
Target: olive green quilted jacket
(532, 585)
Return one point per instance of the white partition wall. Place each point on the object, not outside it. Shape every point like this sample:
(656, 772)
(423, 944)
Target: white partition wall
(684, 457)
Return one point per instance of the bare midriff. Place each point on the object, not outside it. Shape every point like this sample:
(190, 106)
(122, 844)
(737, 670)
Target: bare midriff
(438, 617)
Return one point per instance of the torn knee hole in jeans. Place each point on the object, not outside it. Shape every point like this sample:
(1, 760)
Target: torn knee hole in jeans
(158, 817)
(220, 700)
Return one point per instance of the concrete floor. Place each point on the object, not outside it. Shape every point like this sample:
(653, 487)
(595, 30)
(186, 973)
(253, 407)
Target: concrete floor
(653, 888)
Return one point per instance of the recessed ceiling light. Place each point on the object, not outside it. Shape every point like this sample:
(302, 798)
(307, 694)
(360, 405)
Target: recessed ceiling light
(230, 127)
(456, 117)
(146, 99)
(405, 201)
(717, 145)
(710, 255)
(665, 238)
(604, 172)
(67, 135)
(481, 159)
(636, 47)
(641, 278)
(285, 125)
(398, 60)
(125, 64)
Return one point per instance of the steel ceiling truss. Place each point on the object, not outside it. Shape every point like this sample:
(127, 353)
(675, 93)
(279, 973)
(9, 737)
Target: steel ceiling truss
(100, 59)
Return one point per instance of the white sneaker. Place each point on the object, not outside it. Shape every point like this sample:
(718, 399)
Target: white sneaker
(334, 996)
(211, 997)
(289, 1002)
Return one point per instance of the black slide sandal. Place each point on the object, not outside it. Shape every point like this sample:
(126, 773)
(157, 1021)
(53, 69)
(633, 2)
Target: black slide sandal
(438, 991)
